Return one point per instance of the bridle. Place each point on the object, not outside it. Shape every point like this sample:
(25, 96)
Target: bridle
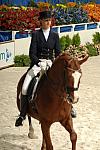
(73, 69)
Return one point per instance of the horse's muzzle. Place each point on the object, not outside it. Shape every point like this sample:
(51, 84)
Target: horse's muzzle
(76, 100)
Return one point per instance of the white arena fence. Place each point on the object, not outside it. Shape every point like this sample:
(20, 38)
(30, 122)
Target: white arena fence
(14, 43)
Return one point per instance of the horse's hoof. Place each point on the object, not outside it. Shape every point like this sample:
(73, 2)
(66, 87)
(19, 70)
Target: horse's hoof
(32, 136)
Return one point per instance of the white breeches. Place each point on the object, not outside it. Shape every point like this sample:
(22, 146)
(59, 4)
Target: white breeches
(44, 65)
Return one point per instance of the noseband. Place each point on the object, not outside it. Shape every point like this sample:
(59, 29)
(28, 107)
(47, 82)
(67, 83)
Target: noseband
(73, 69)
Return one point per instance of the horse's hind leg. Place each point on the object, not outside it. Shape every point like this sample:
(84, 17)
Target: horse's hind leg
(46, 136)
(31, 130)
(68, 124)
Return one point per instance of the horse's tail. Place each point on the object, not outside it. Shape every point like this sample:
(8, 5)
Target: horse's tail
(19, 88)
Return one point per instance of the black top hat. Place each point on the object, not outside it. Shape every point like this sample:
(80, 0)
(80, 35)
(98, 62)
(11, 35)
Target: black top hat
(44, 14)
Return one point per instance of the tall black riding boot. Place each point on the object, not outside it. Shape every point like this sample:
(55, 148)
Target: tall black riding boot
(23, 110)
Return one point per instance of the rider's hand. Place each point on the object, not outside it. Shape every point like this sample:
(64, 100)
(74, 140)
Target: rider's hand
(39, 64)
(42, 65)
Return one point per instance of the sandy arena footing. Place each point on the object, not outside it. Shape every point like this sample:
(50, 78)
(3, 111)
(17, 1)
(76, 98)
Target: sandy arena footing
(87, 123)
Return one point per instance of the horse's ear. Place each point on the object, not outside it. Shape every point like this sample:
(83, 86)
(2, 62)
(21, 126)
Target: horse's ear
(83, 58)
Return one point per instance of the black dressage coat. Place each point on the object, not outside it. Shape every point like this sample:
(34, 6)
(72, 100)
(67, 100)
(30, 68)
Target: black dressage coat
(40, 48)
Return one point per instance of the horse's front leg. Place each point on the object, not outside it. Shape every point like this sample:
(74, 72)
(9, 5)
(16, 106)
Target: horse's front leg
(43, 144)
(46, 136)
(31, 129)
(68, 124)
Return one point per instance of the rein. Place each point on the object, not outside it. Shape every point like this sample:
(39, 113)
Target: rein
(53, 83)
(69, 89)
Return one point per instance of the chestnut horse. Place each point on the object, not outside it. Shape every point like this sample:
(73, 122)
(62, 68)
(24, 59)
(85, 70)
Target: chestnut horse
(59, 84)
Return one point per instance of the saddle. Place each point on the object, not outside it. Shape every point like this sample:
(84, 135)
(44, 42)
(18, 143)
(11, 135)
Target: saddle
(31, 92)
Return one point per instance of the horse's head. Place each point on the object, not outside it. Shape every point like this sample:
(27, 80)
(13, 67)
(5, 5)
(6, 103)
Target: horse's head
(71, 73)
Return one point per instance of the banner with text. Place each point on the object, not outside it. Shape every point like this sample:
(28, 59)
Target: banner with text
(6, 54)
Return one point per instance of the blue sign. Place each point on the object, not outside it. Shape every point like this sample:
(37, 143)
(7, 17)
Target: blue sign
(5, 36)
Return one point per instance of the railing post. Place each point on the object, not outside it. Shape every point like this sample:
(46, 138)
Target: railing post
(13, 35)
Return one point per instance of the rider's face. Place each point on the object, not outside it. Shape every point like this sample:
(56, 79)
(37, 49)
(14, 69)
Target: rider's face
(45, 23)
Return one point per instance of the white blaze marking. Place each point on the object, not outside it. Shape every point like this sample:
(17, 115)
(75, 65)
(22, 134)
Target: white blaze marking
(76, 76)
